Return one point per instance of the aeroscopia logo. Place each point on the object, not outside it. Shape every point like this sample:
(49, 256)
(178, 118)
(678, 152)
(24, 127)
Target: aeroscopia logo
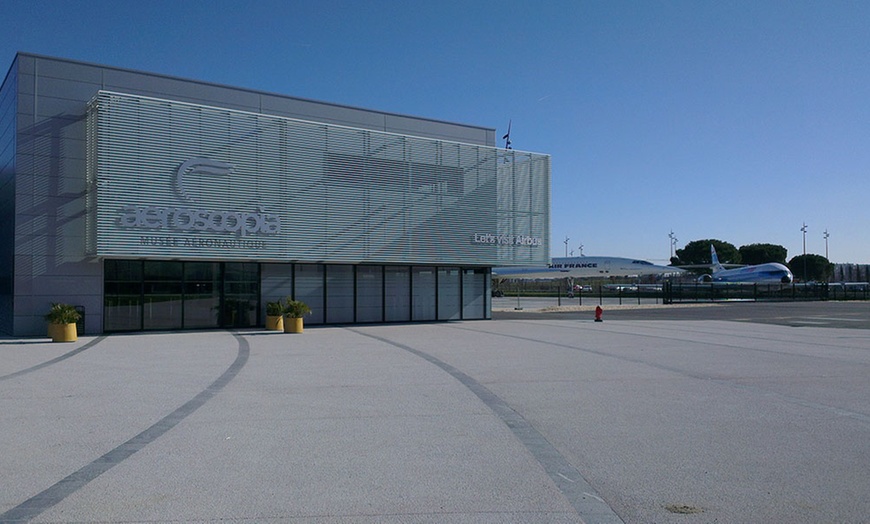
(191, 217)
(198, 166)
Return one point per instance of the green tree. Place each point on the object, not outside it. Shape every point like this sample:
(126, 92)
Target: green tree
(698, 252)
(817, 268)
(753, 254)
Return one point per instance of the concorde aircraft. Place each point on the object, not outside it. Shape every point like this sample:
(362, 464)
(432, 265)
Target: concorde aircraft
(770, 273)
(587, 267)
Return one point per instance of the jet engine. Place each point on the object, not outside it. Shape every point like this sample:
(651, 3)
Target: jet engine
(706, 279)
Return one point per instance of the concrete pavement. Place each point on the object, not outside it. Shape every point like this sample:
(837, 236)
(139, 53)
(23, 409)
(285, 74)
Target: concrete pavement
(540, 419)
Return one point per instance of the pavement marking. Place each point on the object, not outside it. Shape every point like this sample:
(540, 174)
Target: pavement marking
(55, 360)
(579, 492)
(54, 494)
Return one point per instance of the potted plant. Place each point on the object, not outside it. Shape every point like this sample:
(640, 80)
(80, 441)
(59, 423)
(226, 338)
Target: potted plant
(275, 316)
(62, 320)
(294, 310)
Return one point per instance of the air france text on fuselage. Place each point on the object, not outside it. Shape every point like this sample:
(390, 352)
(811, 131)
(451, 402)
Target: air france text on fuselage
(189, 219)
(574, 265)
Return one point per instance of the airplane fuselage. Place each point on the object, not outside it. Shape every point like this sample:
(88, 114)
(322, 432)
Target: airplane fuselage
(771, 273)
(587, 267)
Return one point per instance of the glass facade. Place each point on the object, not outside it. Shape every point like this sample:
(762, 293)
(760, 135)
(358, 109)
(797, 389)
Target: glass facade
(169, 295)
(163, 295)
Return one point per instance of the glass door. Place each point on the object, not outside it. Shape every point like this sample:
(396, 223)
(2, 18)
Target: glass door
(241, 295)
(202, 296)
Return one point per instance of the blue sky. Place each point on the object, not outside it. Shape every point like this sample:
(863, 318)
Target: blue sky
(713, 119)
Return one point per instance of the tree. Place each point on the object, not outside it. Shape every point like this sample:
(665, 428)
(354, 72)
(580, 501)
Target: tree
(753, 254)
(818, 268)
(698, 252)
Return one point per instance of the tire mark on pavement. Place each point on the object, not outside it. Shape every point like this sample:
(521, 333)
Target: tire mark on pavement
(574, 487)
(55, 360)
(51, 496)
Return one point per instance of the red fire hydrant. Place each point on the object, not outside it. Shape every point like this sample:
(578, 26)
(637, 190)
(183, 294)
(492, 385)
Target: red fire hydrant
(598, 312)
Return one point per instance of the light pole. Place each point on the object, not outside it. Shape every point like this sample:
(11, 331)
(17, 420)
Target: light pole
(826, 235)
(581, 249)
(566, 246)
(804, 229)
(673, 242)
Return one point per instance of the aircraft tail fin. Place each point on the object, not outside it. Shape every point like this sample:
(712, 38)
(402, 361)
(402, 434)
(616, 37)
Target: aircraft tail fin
(715, 259)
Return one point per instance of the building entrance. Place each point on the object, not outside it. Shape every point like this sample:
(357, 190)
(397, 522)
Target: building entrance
(160, 295)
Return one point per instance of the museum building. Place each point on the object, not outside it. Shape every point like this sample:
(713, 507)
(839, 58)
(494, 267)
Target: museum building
(159, 203)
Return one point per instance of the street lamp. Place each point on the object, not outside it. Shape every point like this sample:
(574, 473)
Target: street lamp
(673, 242)
(804, 229)
(566, 246)
(826, 245)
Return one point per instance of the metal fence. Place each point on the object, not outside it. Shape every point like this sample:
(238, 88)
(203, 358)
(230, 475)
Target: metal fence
(554, 293)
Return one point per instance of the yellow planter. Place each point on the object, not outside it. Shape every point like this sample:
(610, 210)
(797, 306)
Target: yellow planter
(274, 323)
(292, 325)
(63, 332)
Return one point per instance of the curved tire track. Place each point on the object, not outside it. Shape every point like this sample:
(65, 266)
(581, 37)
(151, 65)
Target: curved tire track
(55, 360)
(41, 502)
(574, 487)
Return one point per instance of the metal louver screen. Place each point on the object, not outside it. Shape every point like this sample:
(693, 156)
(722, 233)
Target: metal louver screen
(177, 180)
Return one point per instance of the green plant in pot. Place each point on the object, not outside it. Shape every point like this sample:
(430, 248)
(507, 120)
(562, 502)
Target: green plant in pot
(294, 311)
(275, 316)
(62, 320)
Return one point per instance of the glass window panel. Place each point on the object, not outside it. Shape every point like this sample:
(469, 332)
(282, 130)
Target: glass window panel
(163, 270)
(163, 287)
(369, 294)
(241, 294)
(162, 311)
(122, 288)
(397, 293)
(202, 294)
(123, 270)
(449, 292)
(423, 293)
(123, 312)
(339, 296)
(309, 289)
(239, 311)
(473, 293)
(201, 271)
(277, 284)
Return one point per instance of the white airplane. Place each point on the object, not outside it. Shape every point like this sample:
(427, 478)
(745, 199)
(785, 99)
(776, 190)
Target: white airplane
(587, 267)
(770, 273)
